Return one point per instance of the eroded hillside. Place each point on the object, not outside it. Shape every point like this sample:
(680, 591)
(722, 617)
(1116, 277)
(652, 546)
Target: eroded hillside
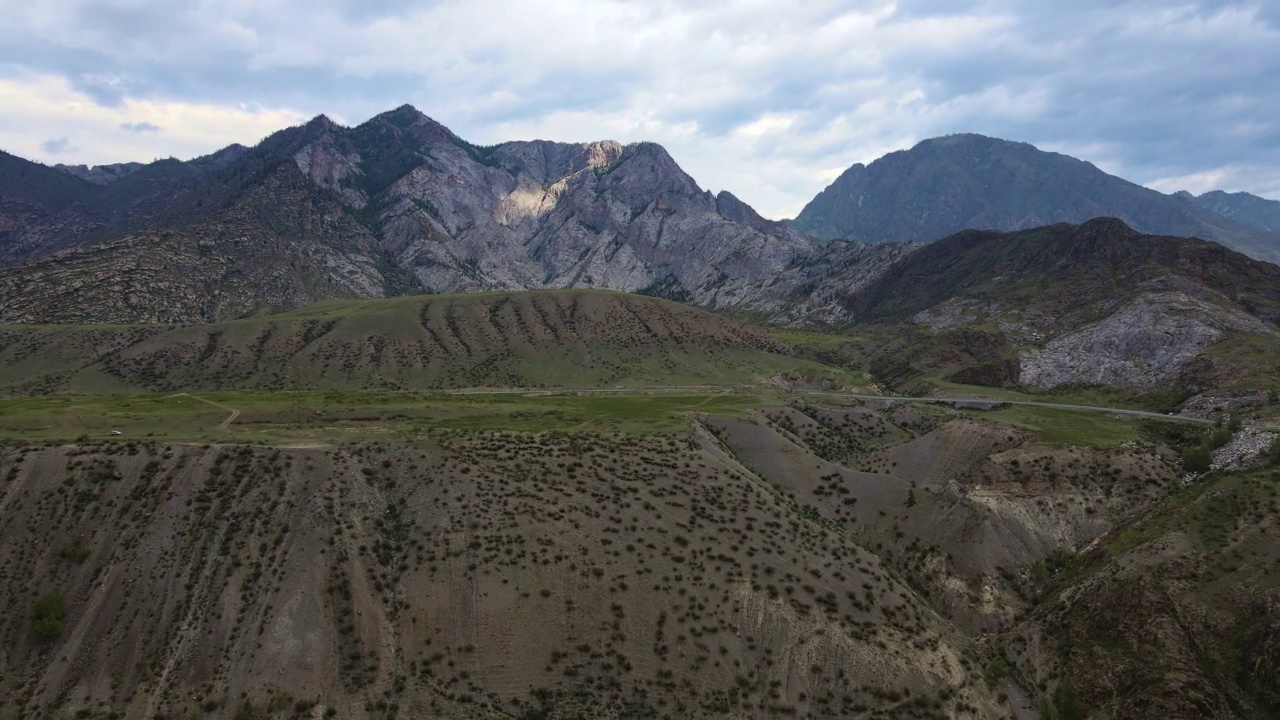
(538, 339)
(582, 574)
(807, 559)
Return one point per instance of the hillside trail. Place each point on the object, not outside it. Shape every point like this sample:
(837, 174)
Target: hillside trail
(225, 423)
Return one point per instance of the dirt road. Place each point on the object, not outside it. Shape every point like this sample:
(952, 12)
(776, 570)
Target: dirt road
(225, 423)
(1119, 412)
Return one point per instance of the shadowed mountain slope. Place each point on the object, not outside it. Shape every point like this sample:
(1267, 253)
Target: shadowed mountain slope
(947, 184)
(1065, 271)
(1241, 207)
(1093, 304)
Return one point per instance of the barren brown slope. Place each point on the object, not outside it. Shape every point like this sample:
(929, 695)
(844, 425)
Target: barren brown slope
(730, 571)
(536, 339)
(965, 511)
(481, 575)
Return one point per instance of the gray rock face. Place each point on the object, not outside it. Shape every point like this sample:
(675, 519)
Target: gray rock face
(100, 174)
(811, 289)
(954, 313)
(527, 215)
(1242, 207)
(401, 205)
(1145, 344)
(327, 166)
(1214, 405)
(1245, 450)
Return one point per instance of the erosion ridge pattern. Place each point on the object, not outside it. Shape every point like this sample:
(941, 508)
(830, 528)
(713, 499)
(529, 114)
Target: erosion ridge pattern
(538, 339)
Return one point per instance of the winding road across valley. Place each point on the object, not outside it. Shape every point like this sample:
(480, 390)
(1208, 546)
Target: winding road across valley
(991, 402)
(970, 401)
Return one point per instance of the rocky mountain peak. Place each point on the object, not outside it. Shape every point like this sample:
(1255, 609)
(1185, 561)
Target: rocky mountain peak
(402, 116)
(548, 162)
(408, 126)
(970, 141)
(224, 157)
(602, 153)
(321, 123)
(648, 164)
(732, 208)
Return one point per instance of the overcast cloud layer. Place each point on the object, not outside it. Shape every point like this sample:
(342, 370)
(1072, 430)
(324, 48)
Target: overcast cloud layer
(769, 100)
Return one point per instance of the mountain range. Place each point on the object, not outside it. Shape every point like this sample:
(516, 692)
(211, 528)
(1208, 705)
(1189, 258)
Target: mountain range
(265, 453)
(401, 205)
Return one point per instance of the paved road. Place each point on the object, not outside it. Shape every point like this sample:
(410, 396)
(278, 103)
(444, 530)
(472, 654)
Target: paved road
(1121, 412)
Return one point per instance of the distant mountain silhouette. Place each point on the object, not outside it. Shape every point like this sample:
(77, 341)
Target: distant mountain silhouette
(957, 182)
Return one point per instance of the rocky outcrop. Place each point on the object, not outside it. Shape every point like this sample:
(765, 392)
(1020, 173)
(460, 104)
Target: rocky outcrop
(1214, 405)
(1096, 303)
(1246, 449)
(99, 174)
(1146, 344)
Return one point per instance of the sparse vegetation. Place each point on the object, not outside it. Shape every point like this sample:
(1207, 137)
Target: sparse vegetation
(664, 551)
(73, 550)
(47, 615)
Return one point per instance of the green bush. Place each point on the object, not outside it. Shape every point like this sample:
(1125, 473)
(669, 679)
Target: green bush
(1219, 437)
(1197, 459)
(1068, 702)
(50, 610)
(73, 550)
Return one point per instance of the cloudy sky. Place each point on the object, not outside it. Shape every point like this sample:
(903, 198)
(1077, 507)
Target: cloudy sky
(770, 100)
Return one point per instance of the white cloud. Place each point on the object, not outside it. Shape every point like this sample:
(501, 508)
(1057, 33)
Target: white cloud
(46, 118)
(769, 100)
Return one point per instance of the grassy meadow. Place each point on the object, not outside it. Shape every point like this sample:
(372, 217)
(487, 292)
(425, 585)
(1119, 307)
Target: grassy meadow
(335, 417)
